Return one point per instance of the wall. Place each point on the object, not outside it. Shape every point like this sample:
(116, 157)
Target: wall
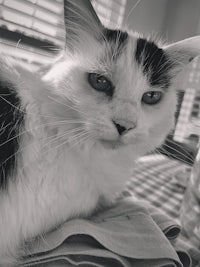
(181, 19)
(147, 16)
(171, 19)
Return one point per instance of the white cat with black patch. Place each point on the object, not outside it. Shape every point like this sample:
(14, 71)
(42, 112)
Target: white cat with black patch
(68, 139)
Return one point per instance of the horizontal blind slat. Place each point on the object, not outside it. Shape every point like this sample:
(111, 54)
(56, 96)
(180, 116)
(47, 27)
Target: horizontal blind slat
(53, 6)
(34, 5)
(13, 14)
(30, 32)
(22, 6)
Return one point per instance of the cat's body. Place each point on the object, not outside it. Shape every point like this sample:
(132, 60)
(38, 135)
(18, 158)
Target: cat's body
(78, 133)
(52, 182)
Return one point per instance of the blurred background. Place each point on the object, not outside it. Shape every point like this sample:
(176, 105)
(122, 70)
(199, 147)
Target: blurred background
(33, 31)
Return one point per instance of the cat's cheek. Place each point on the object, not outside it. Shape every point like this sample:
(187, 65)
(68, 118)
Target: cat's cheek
(102, 131)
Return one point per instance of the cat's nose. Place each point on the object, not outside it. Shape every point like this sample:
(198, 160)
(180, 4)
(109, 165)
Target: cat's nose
(123, 126)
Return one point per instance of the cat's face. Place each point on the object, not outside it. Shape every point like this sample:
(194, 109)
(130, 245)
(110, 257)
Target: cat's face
(113, 97)
(115, 88)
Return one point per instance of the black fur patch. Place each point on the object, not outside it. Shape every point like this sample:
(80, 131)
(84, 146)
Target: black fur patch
(116, 38)
(155, 62)
(11, 120)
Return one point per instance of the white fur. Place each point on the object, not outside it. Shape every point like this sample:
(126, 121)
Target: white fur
(52, 185)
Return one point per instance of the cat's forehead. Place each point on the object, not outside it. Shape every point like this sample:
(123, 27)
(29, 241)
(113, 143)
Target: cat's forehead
(134, 52)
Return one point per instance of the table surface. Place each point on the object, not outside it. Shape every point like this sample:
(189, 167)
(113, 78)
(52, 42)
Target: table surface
(154, 179)
(162, 181)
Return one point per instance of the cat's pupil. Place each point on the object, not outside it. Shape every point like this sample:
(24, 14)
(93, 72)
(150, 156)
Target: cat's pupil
(101, 80)
(100, 83)
(152, 94)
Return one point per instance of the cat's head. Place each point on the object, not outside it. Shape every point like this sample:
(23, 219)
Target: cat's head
(114, 87)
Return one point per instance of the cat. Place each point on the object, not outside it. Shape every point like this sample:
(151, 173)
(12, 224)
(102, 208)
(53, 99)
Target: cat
(69, 137)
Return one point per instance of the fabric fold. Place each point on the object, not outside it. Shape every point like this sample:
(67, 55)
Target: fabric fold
(125, 235)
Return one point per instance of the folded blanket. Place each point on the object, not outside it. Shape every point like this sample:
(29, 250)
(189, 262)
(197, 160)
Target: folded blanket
(125, 235)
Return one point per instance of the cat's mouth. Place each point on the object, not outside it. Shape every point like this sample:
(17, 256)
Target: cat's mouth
(111, 144)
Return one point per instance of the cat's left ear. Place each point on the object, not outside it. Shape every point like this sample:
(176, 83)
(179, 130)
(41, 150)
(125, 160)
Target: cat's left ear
(81, 23)
(184, 51)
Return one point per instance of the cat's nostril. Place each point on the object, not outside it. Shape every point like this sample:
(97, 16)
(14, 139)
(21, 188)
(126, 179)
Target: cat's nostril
(121, 129)
(124, 126)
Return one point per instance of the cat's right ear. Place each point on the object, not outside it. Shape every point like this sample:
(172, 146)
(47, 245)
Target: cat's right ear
(81, 23)
(184, 51)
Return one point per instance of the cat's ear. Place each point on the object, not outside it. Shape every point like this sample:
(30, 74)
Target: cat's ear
(184, 51)
(81, 22)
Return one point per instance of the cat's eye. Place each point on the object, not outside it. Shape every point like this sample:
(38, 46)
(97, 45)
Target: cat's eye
(152, 97)
(100, 83)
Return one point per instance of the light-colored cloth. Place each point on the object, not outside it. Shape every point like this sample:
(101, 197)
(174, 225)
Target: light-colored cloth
(126, 235)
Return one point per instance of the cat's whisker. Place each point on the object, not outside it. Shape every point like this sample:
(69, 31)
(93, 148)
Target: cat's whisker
(180, 153)
(23, 110)
(49, 116)
(3, 127)
(79, 136)
(178, 145)
(172, 156)
(72, 107)
(68, 106)
(80, 139)
(169, 155)
(11, 104)
(75, 142)
(39, 126)
(27, 146)
(70, 132)
(19, 151)
(133, 9)
(76, 135)
(162, 151)
(76, 139)
(44, 152)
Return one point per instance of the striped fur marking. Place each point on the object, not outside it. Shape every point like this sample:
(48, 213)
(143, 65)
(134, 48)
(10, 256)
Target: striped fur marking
(155, 63)
(117, 39)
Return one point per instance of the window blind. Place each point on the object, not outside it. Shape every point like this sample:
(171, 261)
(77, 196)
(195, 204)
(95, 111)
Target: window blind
(33, 30)
(38, 18)
(188, 124)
